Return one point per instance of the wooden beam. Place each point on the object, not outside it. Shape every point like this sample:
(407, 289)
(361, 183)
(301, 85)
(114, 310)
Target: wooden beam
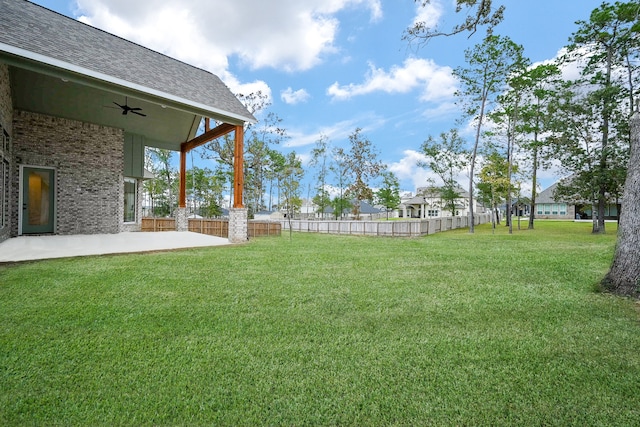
(238, 167)
(238, 159)
(210, 135)
(182, 195)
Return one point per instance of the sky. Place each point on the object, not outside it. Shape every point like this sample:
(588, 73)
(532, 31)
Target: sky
(331, 66)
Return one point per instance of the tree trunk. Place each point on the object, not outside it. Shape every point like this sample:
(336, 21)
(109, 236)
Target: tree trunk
(534, 184)
(624, 276)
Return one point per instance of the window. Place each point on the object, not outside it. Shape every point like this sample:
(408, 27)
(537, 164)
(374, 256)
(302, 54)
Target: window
(547, 208)
(432, 213)
(130, 199)
(554, 209)
(563, 208)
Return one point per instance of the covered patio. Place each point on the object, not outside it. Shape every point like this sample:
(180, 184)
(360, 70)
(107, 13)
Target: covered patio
(33, 248)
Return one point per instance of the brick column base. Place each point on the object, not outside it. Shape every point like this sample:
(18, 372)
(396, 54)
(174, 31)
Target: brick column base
(182, 222)
(238, 228)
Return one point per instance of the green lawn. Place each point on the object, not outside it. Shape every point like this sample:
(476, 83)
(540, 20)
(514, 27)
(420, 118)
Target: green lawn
(449, 329)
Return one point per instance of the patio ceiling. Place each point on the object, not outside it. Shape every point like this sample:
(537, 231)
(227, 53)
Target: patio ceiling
(166, 124)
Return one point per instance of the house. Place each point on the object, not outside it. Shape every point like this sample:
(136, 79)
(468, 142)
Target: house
(549, 207)
(366, 211)
(78, 106)
(427, 203)
(265, 215)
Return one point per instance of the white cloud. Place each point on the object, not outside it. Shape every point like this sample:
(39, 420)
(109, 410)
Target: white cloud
(407, 170)
(435, 82)
(278, 33)
(292, 97)
(428, 15)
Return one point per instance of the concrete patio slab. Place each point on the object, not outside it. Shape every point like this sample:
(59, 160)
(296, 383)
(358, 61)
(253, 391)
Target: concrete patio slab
(29, 248)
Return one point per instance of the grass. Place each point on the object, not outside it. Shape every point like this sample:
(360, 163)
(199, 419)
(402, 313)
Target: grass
(450, 329)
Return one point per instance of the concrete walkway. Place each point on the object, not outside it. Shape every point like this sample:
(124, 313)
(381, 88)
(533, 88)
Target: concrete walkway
(29, 248)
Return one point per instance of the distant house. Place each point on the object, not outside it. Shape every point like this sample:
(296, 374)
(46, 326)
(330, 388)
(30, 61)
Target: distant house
(268, 215)
(548, 206)
(427, 203)
(78, 106)
(367, 211)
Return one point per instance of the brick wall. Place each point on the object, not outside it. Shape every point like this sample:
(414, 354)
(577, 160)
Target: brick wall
(89, 163)
(238, 226)
(6, 121)
(6, 109)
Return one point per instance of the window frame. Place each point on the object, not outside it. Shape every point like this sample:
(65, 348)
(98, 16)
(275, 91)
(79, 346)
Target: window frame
(134, 181)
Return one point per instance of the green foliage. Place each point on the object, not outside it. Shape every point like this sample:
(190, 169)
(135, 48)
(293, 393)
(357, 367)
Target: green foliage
(608, 41)
(340, 205)
(322, 200)
(290, 182)
(446, 159)
(325, 330)
(205, 189)
(162, 190)
(490, 64)
(389, 193)
(320, 159)
(363, 165)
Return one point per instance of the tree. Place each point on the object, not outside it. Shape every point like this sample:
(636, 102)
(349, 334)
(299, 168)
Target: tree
(275, 166)
(258, 154)
(206, 188)
(511, 103)
(478, 13)
(389, 194)
(162, 188)
(489, 65)
(340, 168)
(623, 277)
(577, 144)
(257, 145)
(340, 204)
(605, 41)
(363, 165)
(539, 87)
(446, 159)
(320, 158)
(291, 175)
(494, 183)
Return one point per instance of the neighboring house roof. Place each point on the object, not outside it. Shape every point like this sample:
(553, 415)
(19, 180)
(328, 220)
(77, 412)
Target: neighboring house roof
(546, 195)
(365, 208)
(51, 49)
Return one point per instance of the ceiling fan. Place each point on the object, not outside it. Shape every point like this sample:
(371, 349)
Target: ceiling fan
(126, 109)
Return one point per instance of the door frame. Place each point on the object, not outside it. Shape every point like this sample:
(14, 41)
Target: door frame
(21, 195)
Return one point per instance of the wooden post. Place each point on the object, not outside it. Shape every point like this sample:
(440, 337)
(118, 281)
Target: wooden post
(238, 167)
(182, 196)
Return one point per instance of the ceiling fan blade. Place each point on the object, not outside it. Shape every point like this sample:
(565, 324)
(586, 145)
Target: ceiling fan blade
(126, 109)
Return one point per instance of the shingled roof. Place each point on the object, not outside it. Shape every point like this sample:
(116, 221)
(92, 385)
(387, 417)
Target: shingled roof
(37, 35)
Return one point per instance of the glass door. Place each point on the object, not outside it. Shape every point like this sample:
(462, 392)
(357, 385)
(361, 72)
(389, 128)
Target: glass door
(37, 200)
